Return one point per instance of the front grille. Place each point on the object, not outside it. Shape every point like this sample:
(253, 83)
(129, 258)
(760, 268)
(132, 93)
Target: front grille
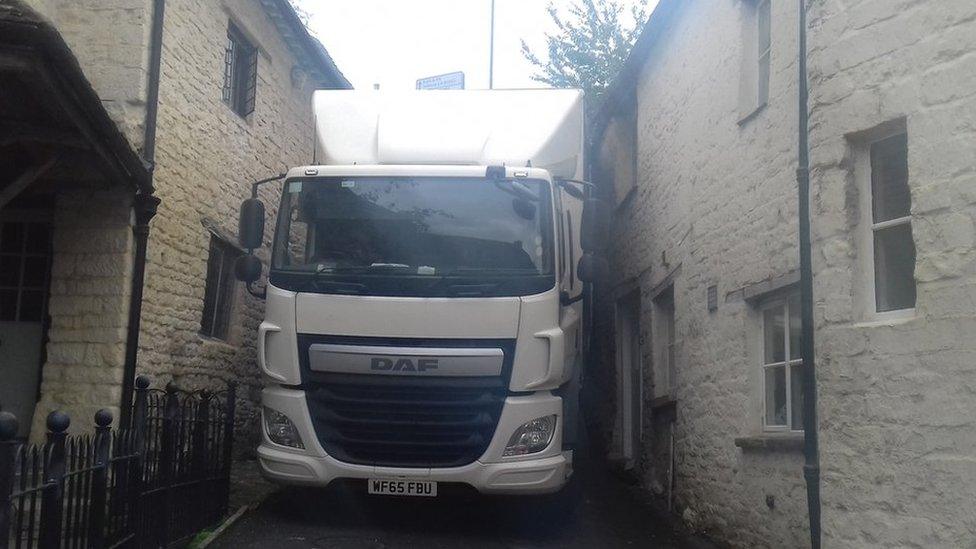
(405, 421)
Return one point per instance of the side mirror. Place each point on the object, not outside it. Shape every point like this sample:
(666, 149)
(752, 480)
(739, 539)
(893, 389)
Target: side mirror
(247, 268)
(250, 231)
(595, 226)
(592, 268)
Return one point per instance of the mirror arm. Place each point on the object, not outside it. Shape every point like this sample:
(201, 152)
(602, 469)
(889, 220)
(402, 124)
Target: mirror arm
(258, 183)
(587, 186)
(566, 301)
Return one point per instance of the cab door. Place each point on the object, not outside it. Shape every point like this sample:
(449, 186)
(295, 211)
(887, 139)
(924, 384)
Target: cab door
(569, 211)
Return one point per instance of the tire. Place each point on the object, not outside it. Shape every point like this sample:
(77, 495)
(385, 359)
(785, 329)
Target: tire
(564, 505)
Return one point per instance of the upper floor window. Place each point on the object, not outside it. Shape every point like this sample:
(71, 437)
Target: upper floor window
(218, 300)
(240, 72)
(782, 366)
(757, 46)
(890, 226)
(764, 41)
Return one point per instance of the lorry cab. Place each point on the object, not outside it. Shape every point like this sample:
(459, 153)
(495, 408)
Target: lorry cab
(424, 320)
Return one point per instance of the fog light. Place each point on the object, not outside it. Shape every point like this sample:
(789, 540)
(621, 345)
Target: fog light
(533, 436)
(281, 430)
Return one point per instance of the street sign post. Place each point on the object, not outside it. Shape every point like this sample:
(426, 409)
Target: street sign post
(449, 81)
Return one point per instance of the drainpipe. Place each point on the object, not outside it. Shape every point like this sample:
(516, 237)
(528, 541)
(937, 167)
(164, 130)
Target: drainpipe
(144, 206)
(811, 451)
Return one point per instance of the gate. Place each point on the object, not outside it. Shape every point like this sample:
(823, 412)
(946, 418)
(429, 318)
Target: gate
(154, 483)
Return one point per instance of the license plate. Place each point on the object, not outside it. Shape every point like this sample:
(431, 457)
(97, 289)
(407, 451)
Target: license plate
(424, 488)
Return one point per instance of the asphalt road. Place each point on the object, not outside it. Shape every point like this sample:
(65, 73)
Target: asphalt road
(344, 517)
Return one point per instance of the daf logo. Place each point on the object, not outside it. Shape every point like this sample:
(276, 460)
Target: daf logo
(403, 364)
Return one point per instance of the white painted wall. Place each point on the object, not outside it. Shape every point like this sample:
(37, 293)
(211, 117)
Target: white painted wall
(715, 203)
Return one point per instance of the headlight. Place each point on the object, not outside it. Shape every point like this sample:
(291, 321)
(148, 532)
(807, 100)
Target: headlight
(533, 436)
(281, 430)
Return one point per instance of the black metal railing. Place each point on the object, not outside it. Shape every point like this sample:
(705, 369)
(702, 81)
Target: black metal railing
(159, 480)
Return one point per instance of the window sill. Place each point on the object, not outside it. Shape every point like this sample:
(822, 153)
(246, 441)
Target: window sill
(754, 114)
(210, 340)
(890, 318)
(243, 120)
(771, 442)
(662, 403)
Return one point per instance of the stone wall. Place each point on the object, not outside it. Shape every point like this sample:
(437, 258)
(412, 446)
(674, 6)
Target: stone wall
(110, 38)
(207, 156)
(898, 399)
(89, 306)
(715, 204)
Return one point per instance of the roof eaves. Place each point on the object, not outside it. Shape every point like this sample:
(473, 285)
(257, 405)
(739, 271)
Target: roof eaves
(309, 51)
(22, 26)
(623, 86)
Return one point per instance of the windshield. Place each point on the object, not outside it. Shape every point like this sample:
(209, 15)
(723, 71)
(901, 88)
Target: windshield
(336, 228)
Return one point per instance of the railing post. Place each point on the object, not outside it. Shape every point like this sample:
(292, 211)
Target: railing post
(99, 486)
(135, 443)
(8, 455)
(52, 499)
(204, 505)
(228, 448)
(200, 428)
(167, 458)
(137, 421)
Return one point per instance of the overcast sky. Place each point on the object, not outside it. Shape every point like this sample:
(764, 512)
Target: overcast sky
(395, 42)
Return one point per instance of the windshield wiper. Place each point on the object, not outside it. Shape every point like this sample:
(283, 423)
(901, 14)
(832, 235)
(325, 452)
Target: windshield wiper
(359, 269)
(315, 281)
(502, 271)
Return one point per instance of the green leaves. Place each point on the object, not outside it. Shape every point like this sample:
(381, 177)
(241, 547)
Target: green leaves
(589, 46)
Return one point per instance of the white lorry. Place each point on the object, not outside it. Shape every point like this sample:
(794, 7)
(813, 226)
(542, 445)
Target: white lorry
(423, 323)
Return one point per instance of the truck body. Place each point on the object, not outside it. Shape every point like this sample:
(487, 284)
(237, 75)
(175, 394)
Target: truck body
(423, 320)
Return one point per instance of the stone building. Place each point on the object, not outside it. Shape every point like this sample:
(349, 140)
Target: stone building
(143, 108)
(697, 149)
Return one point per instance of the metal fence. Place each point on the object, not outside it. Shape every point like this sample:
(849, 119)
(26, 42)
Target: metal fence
(156, 482)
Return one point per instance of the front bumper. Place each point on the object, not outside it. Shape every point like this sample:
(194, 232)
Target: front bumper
(541, 473)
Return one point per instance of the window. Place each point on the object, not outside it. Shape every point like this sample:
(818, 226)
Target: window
(240, 72)
(781, 366)
(25, 258)
(664, 343)
(218, 297)
(891, 245)
(755, 68)
(764, 40)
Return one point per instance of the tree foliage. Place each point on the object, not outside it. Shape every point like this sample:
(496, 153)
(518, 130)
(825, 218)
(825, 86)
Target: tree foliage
(303, 14)
(589, 46)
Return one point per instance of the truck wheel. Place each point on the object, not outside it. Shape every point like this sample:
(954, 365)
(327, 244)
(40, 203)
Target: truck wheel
(559, 508)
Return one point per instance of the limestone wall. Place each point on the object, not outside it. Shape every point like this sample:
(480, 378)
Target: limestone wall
(110, 39)
(207, 156)
(898, 399)
(89, 306)
(715, 204)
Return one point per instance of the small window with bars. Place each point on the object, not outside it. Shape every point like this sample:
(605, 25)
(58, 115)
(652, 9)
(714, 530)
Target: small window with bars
(25, 267)
(218, 300)
(240, 72)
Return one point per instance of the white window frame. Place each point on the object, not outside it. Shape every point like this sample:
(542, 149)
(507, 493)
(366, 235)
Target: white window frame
(764, 57)
(867, 228)
(787, 364)
(665, 342)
